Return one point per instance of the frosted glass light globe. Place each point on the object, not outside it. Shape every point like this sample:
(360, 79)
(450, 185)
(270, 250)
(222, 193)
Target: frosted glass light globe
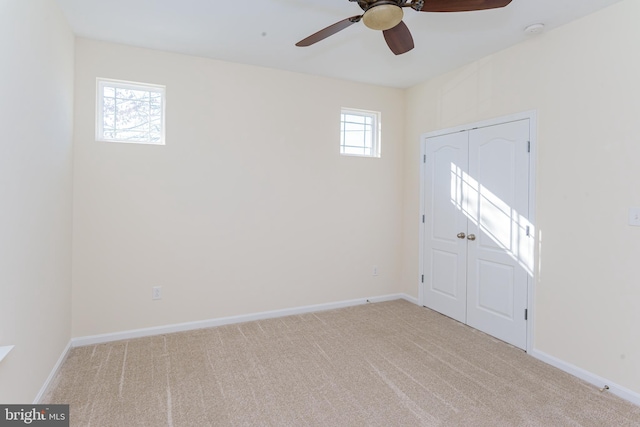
(383, 17)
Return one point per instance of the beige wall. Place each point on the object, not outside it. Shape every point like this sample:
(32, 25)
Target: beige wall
(36, 110)
(249, 207)
(583, 79)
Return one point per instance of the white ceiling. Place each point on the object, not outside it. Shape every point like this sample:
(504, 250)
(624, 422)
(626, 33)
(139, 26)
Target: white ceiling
(264, 32)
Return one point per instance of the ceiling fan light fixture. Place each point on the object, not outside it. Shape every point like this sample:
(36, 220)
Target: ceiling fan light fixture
(383, 17)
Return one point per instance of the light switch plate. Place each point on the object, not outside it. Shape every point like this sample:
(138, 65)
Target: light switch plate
(634, 216)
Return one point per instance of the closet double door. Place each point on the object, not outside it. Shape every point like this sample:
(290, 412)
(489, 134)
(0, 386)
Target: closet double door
(478, 244)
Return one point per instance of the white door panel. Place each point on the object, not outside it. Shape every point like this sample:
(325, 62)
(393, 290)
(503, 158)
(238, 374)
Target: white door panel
(496, 280)
(444, 274)
(495, 296)
(477, 183)
(445, 254)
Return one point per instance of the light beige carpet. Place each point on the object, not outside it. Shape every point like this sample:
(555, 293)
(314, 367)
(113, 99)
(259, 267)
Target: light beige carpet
(385, 364)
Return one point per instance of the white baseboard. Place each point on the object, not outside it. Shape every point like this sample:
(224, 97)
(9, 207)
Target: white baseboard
(587, 376)
(409, 298)
(52, 375)
(181, 327)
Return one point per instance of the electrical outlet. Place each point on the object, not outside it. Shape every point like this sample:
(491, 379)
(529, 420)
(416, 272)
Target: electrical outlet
(634, 216)
(375, 270)
(156, 292)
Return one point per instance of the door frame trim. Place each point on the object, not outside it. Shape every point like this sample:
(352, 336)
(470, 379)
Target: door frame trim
(533, 136)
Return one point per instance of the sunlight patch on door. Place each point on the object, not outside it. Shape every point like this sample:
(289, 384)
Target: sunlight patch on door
(508, 230)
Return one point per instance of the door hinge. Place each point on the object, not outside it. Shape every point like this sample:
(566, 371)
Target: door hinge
(424, 159)
(422, 279)
(528, 146)
(423, 219)
(528, 231)
(526, 314)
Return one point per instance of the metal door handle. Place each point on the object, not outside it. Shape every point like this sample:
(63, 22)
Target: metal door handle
(461, 235)
(471, 237)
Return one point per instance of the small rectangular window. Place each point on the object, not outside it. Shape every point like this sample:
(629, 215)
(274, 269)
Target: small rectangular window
(130, 112)
(360, 133)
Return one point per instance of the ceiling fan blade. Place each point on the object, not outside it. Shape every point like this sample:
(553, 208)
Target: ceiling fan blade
(399, 39)
(329, 31)
(462, 5)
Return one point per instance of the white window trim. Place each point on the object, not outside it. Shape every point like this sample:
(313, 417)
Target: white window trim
(123, 84)
(377, 133)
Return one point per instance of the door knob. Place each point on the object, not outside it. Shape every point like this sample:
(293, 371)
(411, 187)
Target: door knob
(461, 235)
(471, 237)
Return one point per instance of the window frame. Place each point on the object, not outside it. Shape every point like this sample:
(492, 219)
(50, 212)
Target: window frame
(101, 83)
(376, 134)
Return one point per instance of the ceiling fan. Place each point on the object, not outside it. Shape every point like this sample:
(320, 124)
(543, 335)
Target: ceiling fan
(386, 16)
